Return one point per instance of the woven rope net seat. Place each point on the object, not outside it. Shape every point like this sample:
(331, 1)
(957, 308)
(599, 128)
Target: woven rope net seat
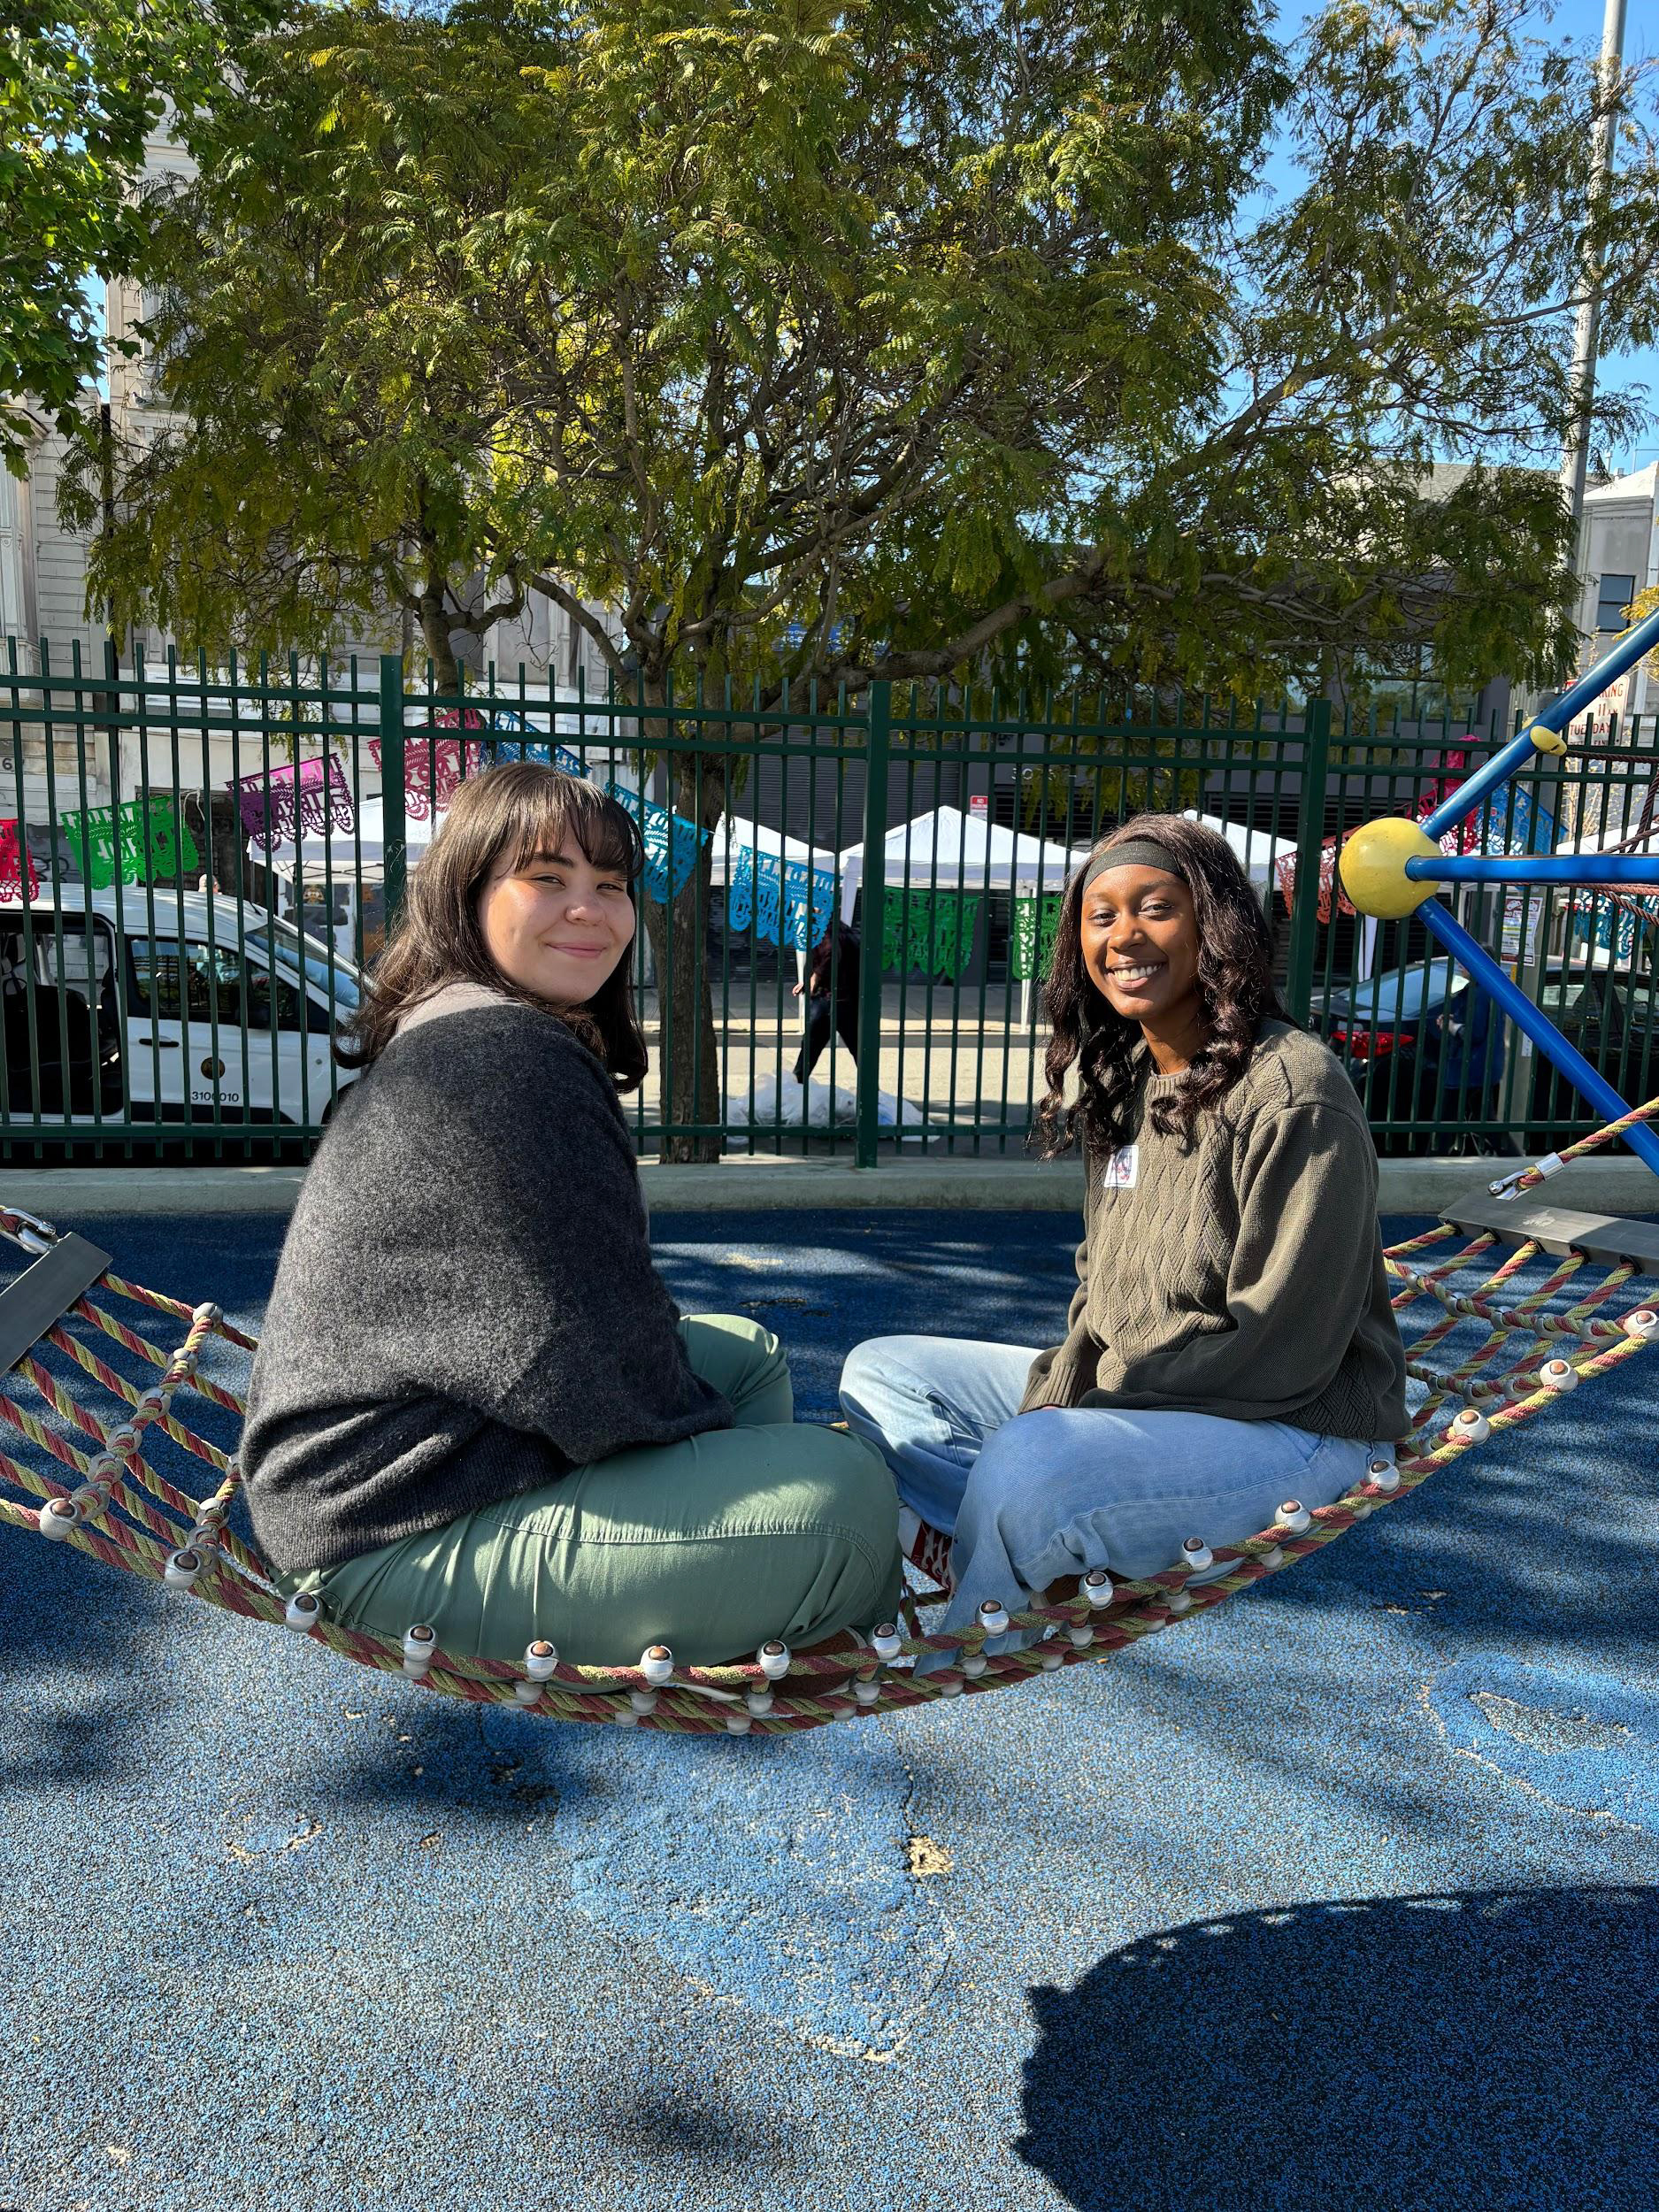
(1500, 1321)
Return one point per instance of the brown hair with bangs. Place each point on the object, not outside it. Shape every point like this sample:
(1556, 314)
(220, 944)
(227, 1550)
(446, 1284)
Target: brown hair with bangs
(518, 810)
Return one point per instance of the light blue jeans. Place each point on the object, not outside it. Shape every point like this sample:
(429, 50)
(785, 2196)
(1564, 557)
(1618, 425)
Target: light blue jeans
(1030, 1497)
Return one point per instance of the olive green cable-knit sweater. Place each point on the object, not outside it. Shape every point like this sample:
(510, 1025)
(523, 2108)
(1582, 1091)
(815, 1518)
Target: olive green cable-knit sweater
(1243, 1275)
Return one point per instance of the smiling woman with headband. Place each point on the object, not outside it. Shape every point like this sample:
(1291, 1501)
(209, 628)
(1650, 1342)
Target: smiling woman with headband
(1231, 1343)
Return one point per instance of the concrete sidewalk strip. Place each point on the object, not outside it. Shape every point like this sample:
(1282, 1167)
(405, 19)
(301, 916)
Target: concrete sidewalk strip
(742, 1183)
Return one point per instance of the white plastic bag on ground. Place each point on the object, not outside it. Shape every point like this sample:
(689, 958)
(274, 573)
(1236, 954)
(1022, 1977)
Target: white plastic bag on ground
(779, 1099)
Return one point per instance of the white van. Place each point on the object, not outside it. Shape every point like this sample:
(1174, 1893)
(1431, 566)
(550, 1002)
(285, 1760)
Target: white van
(166, 1005)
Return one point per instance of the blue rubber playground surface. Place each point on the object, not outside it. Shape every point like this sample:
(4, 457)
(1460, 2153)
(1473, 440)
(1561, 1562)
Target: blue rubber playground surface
(1345, 1897)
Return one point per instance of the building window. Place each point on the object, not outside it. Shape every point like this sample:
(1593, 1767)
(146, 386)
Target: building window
(1612, 611)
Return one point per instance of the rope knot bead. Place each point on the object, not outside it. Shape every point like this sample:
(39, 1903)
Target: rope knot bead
(641, 1702)
(887, 1641)
(1471, 1426)
(122, 1442)
(208, 1316)
(992, 1620)
(1643, 1325)
(656, 1664)
(301, 1613)
(1294, 1516)
(756, 1700)
(210, 1526)
(540, 1659)
(183, 1570)
(773, 1659)
(1559, 1375)
(1097, 1588)
(421, 1641)
(57, 1517)
(1196, 1555)
(1383, 1475)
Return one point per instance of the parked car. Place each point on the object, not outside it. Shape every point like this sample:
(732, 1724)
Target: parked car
(1608, 1009)
(171, 1007)
(1389, 1030)
(1421, 1043)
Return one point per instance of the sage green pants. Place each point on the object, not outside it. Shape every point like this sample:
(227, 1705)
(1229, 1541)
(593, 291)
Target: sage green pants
(710, 1547)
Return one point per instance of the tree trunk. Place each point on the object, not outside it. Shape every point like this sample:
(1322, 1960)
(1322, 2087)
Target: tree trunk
(688, 1057)
(434, 630)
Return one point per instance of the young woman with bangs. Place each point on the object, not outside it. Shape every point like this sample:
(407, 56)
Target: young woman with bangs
(475, 1404)
(1231, 1343)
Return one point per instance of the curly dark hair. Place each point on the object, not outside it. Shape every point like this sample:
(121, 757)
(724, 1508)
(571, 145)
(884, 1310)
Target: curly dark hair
(1235, 984)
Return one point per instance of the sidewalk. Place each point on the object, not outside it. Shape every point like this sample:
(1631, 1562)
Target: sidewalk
(740, 1183)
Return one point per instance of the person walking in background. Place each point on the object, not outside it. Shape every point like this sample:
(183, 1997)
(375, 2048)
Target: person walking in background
(832, 986)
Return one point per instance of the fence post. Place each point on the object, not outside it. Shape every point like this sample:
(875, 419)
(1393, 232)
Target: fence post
(878, 740)
(112, 728)
(1304, 920)
(393, 822)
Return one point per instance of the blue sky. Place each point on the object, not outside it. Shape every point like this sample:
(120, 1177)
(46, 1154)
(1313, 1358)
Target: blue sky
(1580, 21)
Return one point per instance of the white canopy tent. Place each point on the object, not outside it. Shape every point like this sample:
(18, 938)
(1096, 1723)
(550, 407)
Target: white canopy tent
(1616, 840)
(732, 835)
(948, 850)
(1258, 851)
(338, 853)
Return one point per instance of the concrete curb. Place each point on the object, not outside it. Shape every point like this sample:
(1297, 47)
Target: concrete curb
(742, 1186)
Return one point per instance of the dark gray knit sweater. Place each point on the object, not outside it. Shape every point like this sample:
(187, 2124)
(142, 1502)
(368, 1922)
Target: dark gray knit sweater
(466, 1306)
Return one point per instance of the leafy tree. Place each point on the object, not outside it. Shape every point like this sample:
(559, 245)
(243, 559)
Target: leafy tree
(81, 83)
(960, 337)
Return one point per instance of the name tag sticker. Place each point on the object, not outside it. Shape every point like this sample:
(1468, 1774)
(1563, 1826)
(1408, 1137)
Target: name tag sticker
(1122, 1171)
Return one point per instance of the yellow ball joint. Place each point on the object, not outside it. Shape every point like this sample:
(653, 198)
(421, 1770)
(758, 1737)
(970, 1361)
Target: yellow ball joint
(1373, 867)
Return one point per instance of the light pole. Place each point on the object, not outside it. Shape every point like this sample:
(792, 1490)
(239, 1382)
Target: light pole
(1576, 448)
(1533, 951)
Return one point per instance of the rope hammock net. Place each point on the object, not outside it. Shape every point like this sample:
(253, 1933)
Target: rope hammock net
(1496, 1329)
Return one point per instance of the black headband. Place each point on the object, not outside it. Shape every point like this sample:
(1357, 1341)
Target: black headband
(1134, 852)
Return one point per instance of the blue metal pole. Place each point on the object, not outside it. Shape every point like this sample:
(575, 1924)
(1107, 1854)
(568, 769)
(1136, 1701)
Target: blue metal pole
(1483, 970)
(1626, 652)
(1519, 753)
(1586, 870)
(1521, 750)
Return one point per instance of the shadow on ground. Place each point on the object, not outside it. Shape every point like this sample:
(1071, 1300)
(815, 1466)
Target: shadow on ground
(1484, 2048)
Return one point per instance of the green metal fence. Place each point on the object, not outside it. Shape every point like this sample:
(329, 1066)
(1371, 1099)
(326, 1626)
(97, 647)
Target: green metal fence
(197, 865)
